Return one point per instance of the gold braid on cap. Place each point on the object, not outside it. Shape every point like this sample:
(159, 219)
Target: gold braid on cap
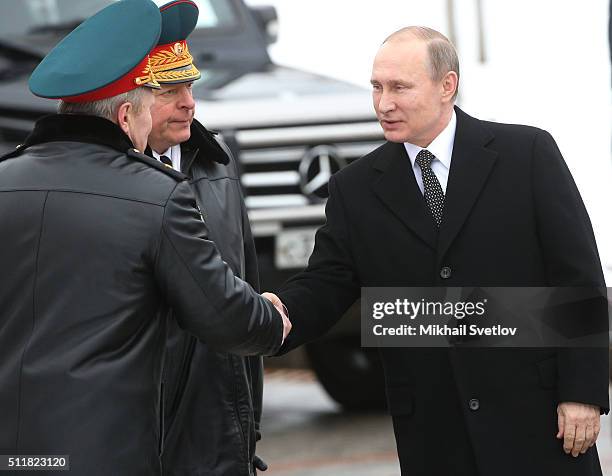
(148, 76)
(171, 57)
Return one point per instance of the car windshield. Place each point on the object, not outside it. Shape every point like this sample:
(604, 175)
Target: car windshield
(28, 16)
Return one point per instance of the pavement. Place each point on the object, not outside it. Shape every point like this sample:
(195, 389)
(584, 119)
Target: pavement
(308, 434)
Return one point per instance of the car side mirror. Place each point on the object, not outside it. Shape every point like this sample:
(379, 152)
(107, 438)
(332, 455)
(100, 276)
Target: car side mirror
(267, 21)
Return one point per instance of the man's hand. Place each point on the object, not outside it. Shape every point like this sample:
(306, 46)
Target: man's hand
(578, 426)
(282, 310)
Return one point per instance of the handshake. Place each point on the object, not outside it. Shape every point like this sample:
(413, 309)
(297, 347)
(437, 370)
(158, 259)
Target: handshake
(282, 310)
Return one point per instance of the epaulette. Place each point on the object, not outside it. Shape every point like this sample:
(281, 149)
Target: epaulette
(13, 153)
(136, 154)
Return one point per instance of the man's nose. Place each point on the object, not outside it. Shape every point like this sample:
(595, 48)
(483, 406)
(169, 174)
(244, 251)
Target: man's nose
(385, 103)
(186, 99)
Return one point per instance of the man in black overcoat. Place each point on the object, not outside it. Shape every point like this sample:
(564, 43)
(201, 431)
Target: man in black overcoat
(450, 200)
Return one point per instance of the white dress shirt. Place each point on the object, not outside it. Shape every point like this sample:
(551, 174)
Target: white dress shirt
(442, 148)
(174, 154)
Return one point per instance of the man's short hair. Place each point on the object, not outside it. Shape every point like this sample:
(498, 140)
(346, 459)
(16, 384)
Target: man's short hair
(106, 108)
(442, 53)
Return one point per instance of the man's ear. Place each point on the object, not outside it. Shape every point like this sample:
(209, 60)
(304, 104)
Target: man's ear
(450, 83)
(122, 117)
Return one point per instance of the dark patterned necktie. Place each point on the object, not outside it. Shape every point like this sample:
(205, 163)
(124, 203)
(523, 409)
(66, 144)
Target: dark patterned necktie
(434, 196)
(164, 159)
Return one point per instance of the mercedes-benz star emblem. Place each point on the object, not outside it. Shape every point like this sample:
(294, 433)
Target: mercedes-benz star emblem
(316, 168)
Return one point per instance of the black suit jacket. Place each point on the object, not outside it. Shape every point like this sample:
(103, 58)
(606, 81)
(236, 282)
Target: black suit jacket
(513, 217)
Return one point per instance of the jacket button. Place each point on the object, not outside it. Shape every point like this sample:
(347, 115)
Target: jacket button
(474, 404)
(445, 272)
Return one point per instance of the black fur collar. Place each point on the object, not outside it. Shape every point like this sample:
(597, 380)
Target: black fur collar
(79, 128)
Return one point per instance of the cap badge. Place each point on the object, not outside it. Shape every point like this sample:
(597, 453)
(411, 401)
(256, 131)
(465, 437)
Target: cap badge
(178, 49)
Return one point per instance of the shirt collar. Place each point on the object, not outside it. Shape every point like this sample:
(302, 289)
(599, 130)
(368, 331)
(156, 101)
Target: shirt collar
(441, 146)
(172, 153)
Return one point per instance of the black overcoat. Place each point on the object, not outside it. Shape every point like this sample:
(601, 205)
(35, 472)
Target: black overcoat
(513, 217)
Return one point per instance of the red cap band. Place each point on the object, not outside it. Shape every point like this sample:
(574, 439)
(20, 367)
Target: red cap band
(138, 76)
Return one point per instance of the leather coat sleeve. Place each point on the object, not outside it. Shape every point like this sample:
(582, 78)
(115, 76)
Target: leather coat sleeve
(207, 298)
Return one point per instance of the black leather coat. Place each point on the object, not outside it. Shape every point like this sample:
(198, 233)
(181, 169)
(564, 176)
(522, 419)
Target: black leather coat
(98, 243)
(213, 399)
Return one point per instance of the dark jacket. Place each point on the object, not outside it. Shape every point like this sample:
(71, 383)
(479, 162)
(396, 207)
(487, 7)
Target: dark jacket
(512, 217)
(213, 399)
(98, 243)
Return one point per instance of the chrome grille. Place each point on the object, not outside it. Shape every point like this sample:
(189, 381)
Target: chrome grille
(270, 158)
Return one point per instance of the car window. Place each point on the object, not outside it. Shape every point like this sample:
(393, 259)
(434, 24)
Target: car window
(30, 15)
(213, 13)
(27, 16)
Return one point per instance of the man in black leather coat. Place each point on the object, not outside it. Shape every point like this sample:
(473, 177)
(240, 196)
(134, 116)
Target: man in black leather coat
(99, 242)
(212, 399)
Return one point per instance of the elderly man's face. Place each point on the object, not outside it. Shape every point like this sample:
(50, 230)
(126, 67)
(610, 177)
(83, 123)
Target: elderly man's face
(172, 115)
(410, 106)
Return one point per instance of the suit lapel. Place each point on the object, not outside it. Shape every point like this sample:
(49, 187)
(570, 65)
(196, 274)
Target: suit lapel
(471, 165)
(396, 187)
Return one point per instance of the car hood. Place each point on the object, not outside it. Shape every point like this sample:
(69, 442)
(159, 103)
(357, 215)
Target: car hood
(277, 96)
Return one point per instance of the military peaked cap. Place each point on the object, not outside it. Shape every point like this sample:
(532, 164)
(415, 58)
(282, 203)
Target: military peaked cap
(106, 55)
(171, 60)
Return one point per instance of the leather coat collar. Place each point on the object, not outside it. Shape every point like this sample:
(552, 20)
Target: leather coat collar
(203, 141)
